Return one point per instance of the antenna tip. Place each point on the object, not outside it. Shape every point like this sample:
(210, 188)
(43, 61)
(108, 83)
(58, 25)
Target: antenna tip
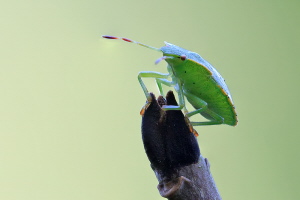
(109, 37)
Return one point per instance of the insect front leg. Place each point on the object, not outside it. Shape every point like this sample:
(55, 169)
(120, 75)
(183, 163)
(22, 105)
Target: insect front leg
(150, 74)
(202, 109)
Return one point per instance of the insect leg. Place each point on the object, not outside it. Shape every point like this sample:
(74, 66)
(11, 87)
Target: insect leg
(166, 82)
(179, 90)
(149, 74)
(202, 109)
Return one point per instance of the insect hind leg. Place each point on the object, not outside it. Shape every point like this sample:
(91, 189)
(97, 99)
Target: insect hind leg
(202, 109)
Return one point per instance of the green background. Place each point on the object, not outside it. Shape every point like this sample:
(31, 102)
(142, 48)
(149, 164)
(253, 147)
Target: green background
(70, 100)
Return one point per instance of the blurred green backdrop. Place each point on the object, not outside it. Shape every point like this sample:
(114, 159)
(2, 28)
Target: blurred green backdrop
(70, 101)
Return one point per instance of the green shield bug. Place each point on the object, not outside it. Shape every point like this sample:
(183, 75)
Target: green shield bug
(194, 78)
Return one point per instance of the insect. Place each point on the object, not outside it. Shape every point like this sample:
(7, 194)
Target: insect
(193, 78)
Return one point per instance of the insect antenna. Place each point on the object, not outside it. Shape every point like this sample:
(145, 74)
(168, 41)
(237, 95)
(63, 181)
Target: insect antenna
(128, 40)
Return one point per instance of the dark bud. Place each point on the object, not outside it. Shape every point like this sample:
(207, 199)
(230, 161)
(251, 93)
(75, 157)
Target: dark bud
(168, 142)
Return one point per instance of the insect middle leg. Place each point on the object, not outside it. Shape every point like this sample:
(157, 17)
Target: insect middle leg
(166, 82)
(178, 88)
(160, 81)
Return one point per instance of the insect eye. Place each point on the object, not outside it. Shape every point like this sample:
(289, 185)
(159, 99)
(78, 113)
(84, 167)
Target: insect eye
(182, 57)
